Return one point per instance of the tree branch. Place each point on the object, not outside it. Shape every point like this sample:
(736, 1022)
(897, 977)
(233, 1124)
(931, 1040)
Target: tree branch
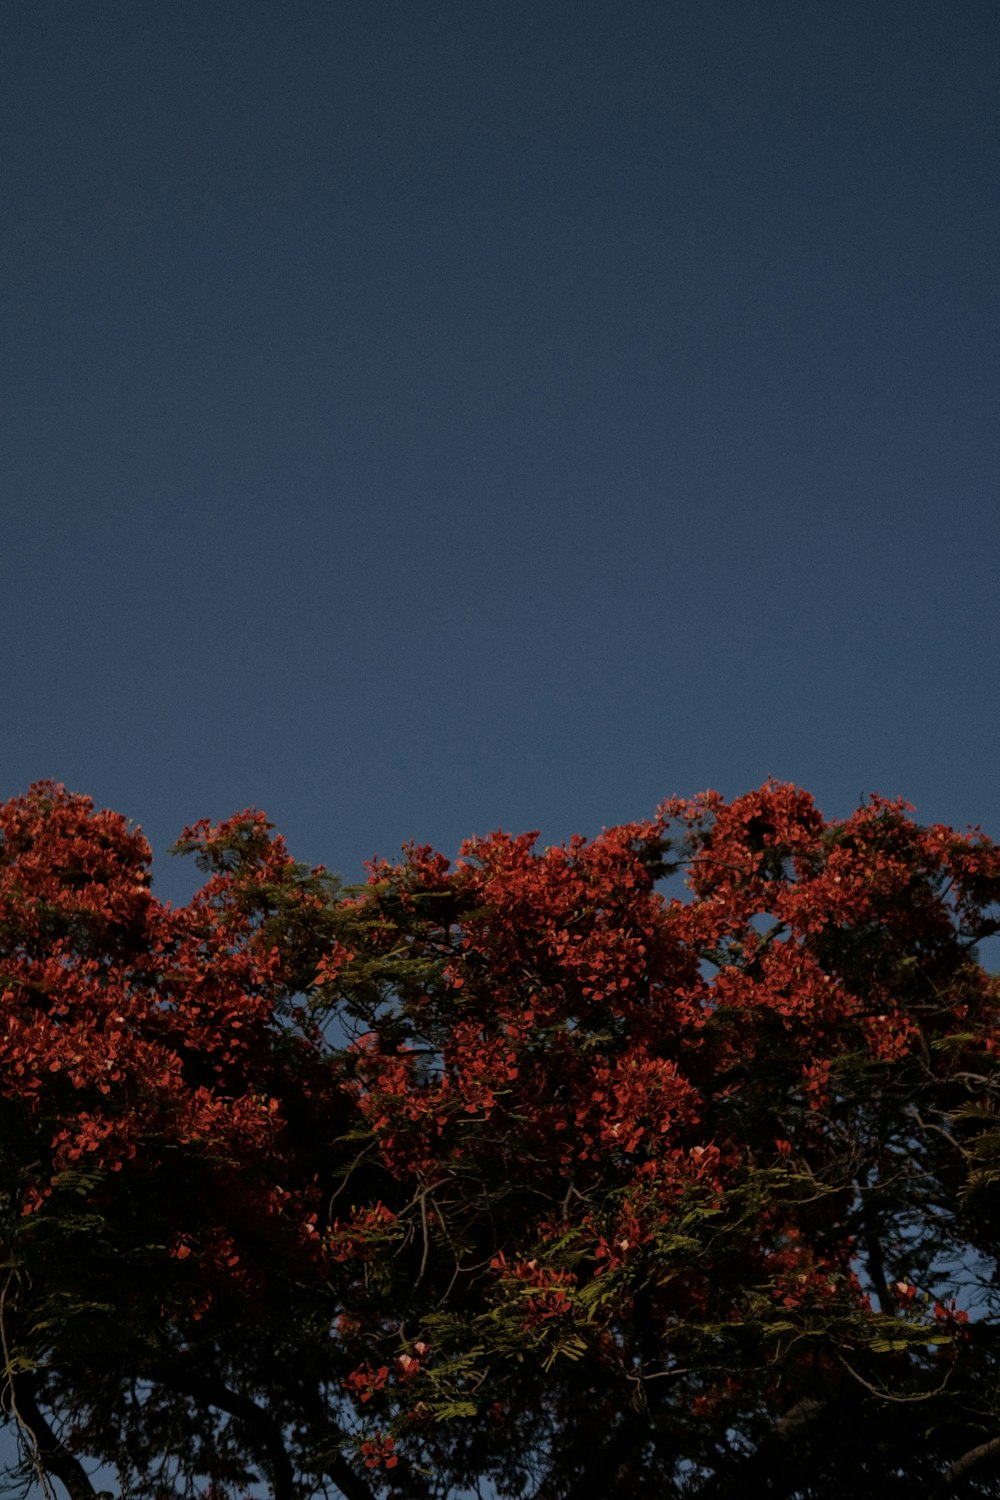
(969, 1460)
(873, 1244)
(350, 1484)
(214, 1392)
(46, 1452)
(49, 1453)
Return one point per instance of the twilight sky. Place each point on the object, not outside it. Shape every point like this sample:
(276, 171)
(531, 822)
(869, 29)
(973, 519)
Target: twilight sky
(420, 418)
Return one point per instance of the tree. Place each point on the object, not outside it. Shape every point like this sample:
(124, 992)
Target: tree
(520, 1172)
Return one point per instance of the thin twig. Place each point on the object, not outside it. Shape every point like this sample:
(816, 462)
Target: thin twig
(427, 1238)
(887, 1395)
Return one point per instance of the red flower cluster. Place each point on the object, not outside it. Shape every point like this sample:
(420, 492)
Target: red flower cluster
(378, 1450)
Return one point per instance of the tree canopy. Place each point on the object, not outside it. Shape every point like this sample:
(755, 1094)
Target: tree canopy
(659, 1164)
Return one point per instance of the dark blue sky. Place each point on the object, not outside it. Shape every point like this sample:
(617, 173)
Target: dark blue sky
(421, 418)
